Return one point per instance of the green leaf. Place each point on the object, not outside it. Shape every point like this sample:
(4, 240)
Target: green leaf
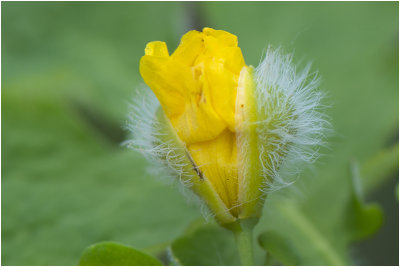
(362, 220)
(114, 254)
(365, 221)
(209, 245)
(278, 247)
(378, 168)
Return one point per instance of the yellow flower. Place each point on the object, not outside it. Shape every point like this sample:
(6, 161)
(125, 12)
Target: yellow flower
(196, 85)
(197, 88)
(225, 128)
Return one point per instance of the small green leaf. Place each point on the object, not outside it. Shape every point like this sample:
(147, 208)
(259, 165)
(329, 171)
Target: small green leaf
(114, 254)
(209, 245)
(379, 168)
(362, 220)
(278, 247)
(365, 221)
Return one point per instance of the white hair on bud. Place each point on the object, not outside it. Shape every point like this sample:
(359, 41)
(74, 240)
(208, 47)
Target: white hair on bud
(146, 139)
(293, 125)
(165, 159)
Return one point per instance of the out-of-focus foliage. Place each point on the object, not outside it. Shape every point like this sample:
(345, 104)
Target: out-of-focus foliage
(205, 246)
(279, 249)
(110, 253)
(69, 69)
(361, 219)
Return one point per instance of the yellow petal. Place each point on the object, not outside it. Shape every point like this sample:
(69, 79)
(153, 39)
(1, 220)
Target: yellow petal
(225, 38)
(186, 101)
(199, 122)
(223, 97)
(157, 48)
(233, 59)
(191, 45)
(222, 68)
(217, 160)
(169, 81)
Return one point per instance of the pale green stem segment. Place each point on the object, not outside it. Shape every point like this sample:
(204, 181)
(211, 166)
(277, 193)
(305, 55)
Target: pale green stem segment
(243, 231)
(244, 241)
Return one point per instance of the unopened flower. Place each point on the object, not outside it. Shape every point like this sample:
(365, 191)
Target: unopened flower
(225, 129)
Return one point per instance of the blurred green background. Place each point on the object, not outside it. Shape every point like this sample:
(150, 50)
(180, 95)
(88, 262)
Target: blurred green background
(69, 71)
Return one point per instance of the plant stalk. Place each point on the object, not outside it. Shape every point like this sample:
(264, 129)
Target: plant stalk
(244, 242)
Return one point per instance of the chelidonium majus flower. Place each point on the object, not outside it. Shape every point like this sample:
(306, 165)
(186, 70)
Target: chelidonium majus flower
(221, 127)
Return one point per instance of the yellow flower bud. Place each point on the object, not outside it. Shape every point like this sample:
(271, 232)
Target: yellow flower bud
(224, 128)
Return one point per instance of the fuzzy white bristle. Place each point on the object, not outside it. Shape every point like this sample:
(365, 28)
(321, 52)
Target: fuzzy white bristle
(166, 161)
(294, 125)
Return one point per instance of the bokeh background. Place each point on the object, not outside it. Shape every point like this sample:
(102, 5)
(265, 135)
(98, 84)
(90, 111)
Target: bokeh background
(69, 71)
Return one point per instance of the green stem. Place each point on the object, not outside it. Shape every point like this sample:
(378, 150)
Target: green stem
(244, 242)
(316, 239)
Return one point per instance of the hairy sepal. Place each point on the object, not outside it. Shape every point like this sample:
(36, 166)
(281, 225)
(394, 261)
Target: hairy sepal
(251, 180)
(291, 125)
